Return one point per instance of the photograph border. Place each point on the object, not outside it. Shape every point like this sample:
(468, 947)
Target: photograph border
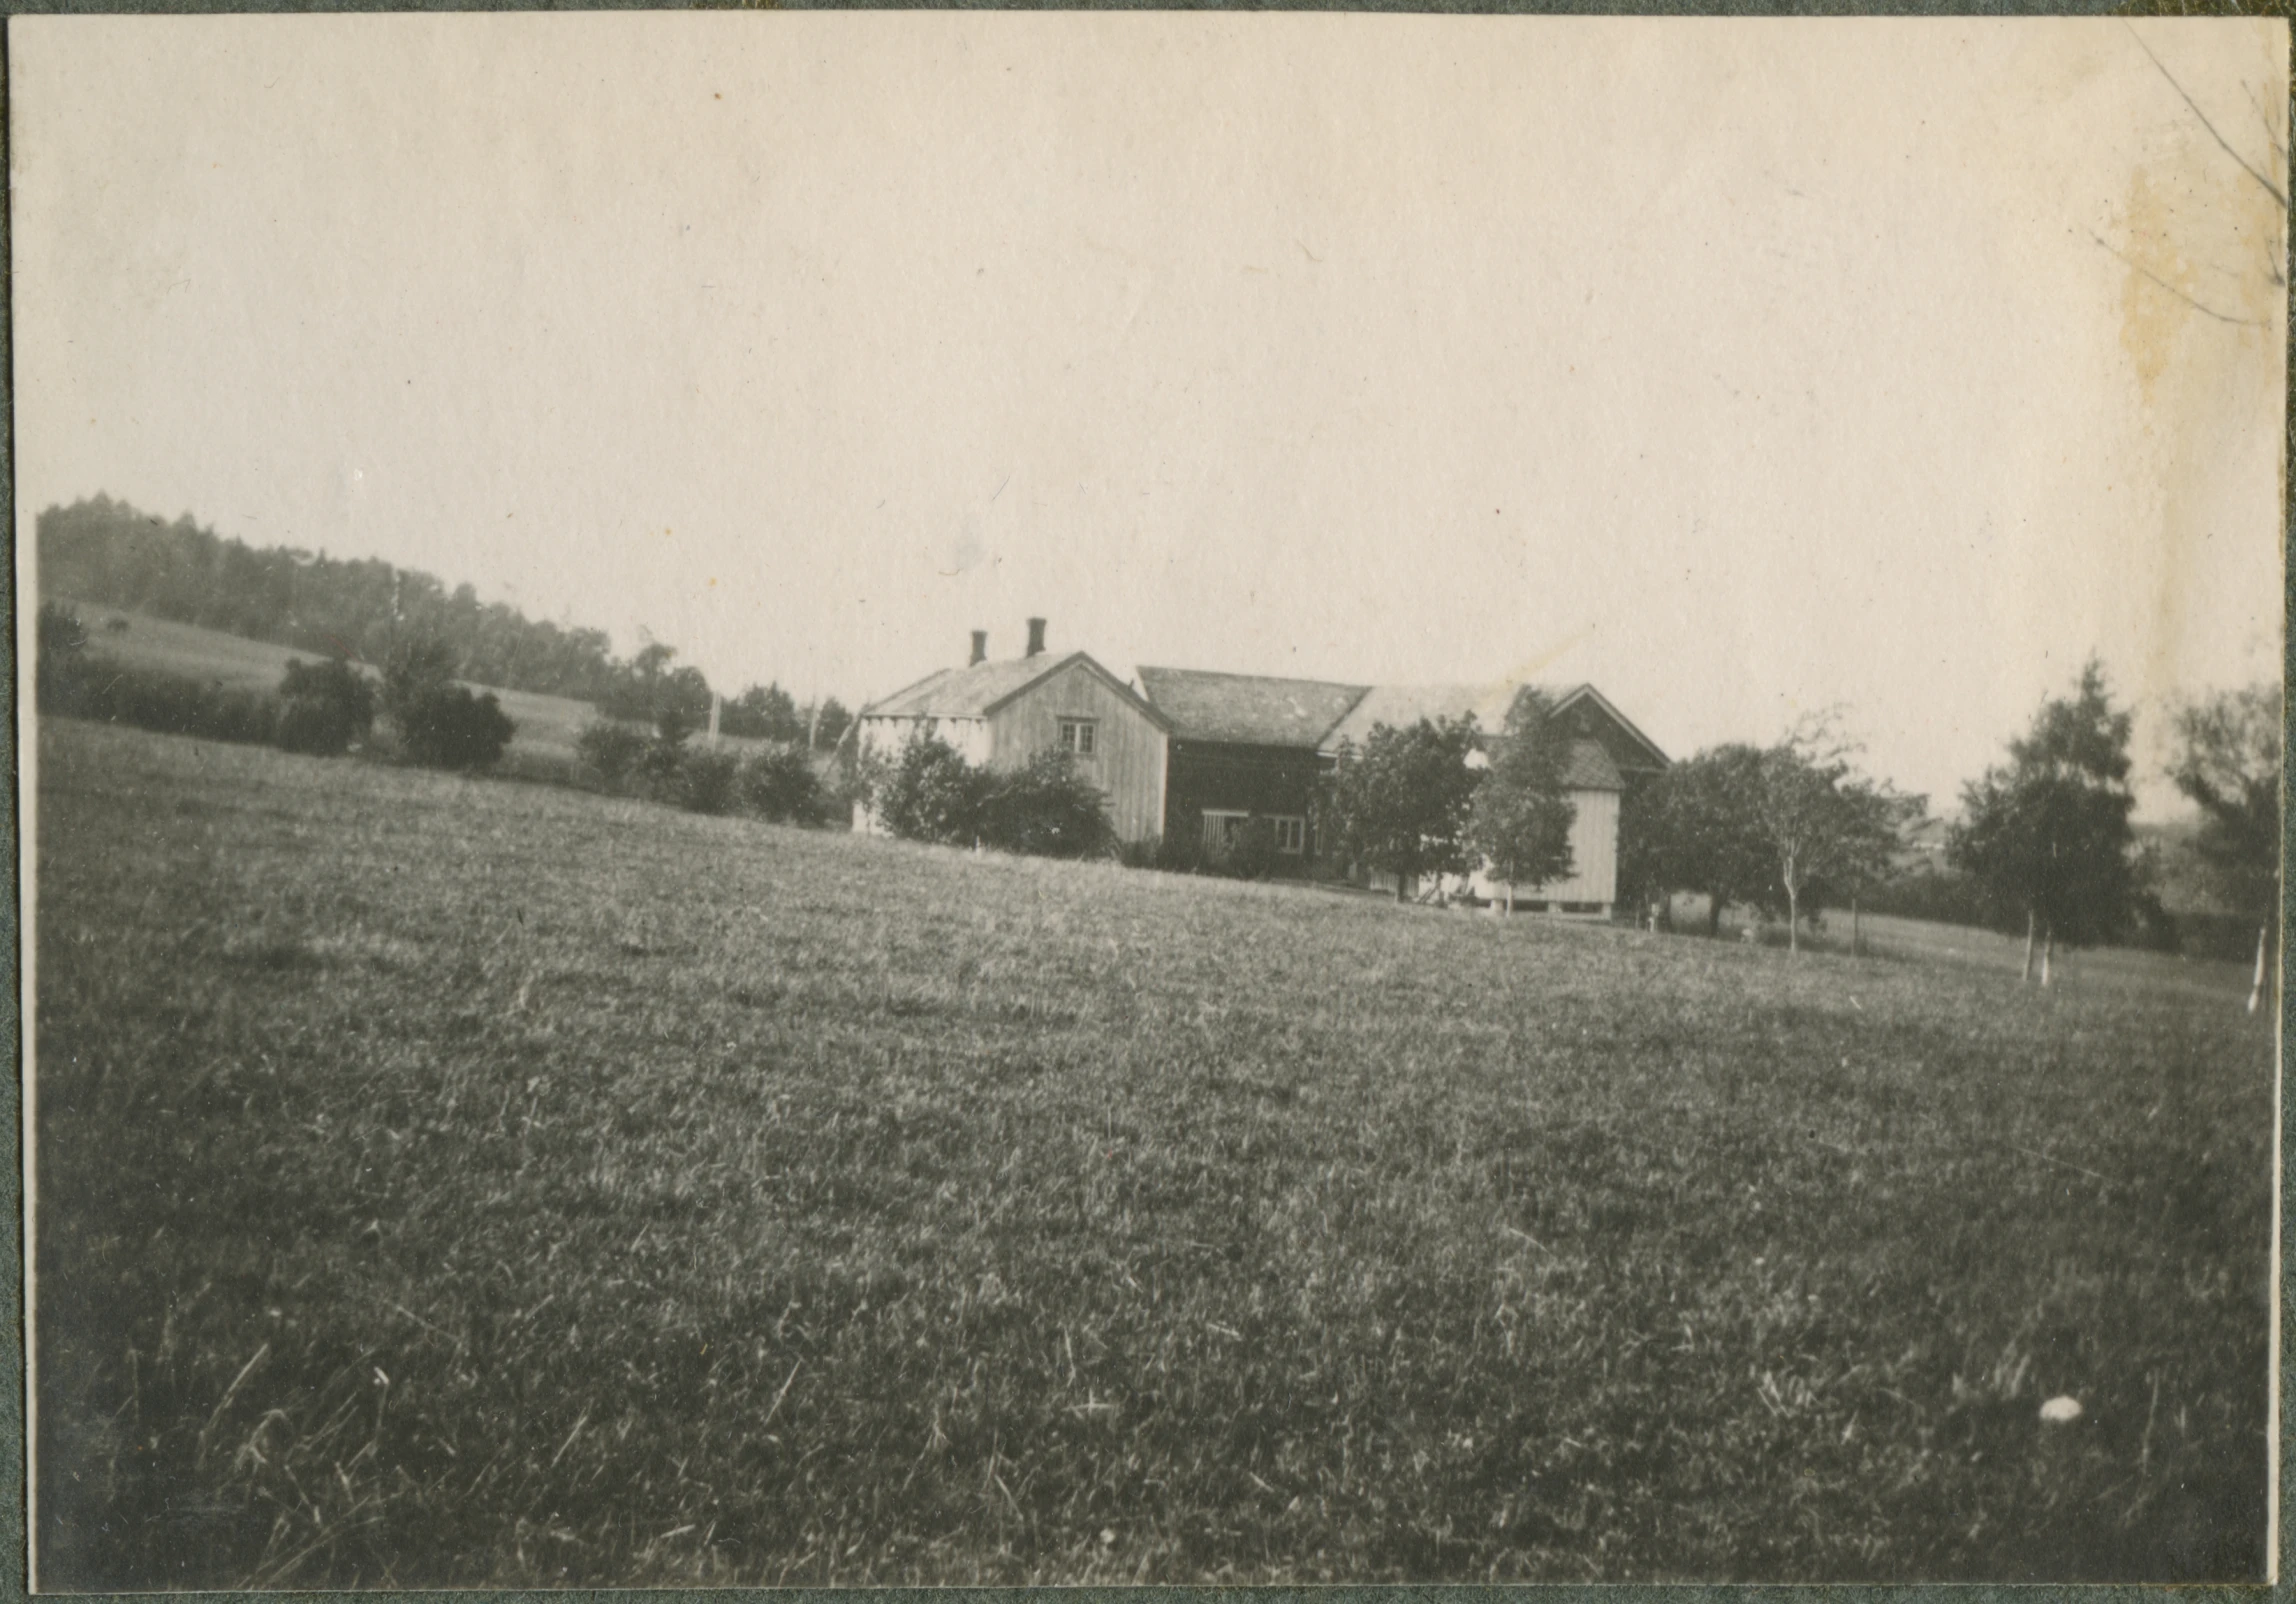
(14, 1528)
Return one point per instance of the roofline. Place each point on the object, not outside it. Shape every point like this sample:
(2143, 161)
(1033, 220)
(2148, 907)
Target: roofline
(1053, 665)
(1354, 701)
(1586, 688)
(870, 711)
(1139, 702)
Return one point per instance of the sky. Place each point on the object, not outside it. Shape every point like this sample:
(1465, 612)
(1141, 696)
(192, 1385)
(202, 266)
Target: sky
(1742, 368)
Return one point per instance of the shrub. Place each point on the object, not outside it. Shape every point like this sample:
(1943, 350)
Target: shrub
(60, 630)
(170, 704)
(779, 784)
(59, 677)
(1046, 808)
(931, 793)
(323, 708)
(441, 724)
(705, 782)
(451, 728)
(1252, 856)
(610, 750)
(665, 756)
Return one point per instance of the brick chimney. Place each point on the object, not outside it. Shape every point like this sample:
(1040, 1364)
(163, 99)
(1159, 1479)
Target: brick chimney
(980, 647)
(1036, 637)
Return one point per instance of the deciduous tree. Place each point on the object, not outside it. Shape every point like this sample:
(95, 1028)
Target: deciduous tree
(1519, 822)
(1402, 799)
(2228, 761)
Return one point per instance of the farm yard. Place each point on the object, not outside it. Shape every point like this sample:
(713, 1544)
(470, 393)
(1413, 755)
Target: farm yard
(447, 1181)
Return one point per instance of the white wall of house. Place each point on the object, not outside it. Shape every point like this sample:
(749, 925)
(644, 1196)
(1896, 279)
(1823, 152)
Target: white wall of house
(1594, 858)
(1593, 880)
(886, 737)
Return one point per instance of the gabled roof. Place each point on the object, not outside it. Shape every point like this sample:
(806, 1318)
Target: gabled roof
(1401, 706)
(978, 691)
(967, 692)
(1589, 768)
(1587, 693)
(1247, 709)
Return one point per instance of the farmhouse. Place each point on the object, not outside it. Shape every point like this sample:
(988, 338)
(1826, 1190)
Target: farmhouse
(1001, 714)
(1609, 757)
(1246, 747)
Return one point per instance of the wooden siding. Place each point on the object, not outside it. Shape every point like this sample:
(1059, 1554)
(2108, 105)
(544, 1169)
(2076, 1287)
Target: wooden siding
(1264, 781)
(1130, 752)
(1594, 858)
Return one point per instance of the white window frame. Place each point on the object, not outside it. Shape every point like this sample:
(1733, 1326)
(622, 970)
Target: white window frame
(1080, 737)
(1291, 833)
(1222, 826)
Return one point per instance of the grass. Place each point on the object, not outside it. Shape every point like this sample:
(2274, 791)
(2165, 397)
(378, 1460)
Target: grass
(444, 1181)
(548, 726)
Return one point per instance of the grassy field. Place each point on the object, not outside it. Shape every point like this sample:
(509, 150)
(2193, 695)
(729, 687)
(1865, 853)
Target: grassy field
(543, 748)
(447, 1181)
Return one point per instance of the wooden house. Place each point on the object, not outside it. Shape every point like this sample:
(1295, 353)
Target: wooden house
(998, 715)
(1608, 758)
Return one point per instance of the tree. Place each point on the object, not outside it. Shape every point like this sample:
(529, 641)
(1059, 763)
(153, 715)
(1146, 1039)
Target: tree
(1521, 816)
(610, 749)
(1695, 828)
(1402, 800)
(828, 721)
(2228, 762)
(1047, 808)
(323, 707)
(763, 712)
(779, 784)
(930, 793)
(440, 723)
(664, 759)
(1825, 824)
(2047, 833)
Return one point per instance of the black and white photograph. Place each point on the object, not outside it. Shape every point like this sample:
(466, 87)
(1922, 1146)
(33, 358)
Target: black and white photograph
(1039, 799)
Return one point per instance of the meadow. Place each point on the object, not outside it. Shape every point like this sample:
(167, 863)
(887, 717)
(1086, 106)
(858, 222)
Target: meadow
(548, 726)
(447, 1181)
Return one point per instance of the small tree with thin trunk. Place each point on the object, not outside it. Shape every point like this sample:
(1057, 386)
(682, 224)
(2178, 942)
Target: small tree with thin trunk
(2047, 833)
(1402, 799)
(2228, 762)
(1825, 824)
(1521, 816)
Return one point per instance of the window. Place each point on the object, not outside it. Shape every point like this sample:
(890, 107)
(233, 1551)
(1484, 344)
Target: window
(1222, 830)
(1079, 736)
(1291, 835)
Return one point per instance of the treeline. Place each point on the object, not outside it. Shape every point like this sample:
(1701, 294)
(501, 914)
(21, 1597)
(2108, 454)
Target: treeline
(110, 553)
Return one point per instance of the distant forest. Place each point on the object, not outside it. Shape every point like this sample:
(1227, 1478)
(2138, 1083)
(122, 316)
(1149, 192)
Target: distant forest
(111, 554)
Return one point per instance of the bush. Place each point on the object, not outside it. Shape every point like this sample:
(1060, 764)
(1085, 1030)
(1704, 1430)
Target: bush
(450, 728)
(323, 708)
(170, 704)
(931, 794)
(441, 724)
(779, 784)
(1048, 809)
(610, 750)
(664, 759)
(706, 782)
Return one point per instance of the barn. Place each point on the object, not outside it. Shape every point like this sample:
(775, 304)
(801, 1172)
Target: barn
(1609, 758)
(1246, 747)
(999, 714)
